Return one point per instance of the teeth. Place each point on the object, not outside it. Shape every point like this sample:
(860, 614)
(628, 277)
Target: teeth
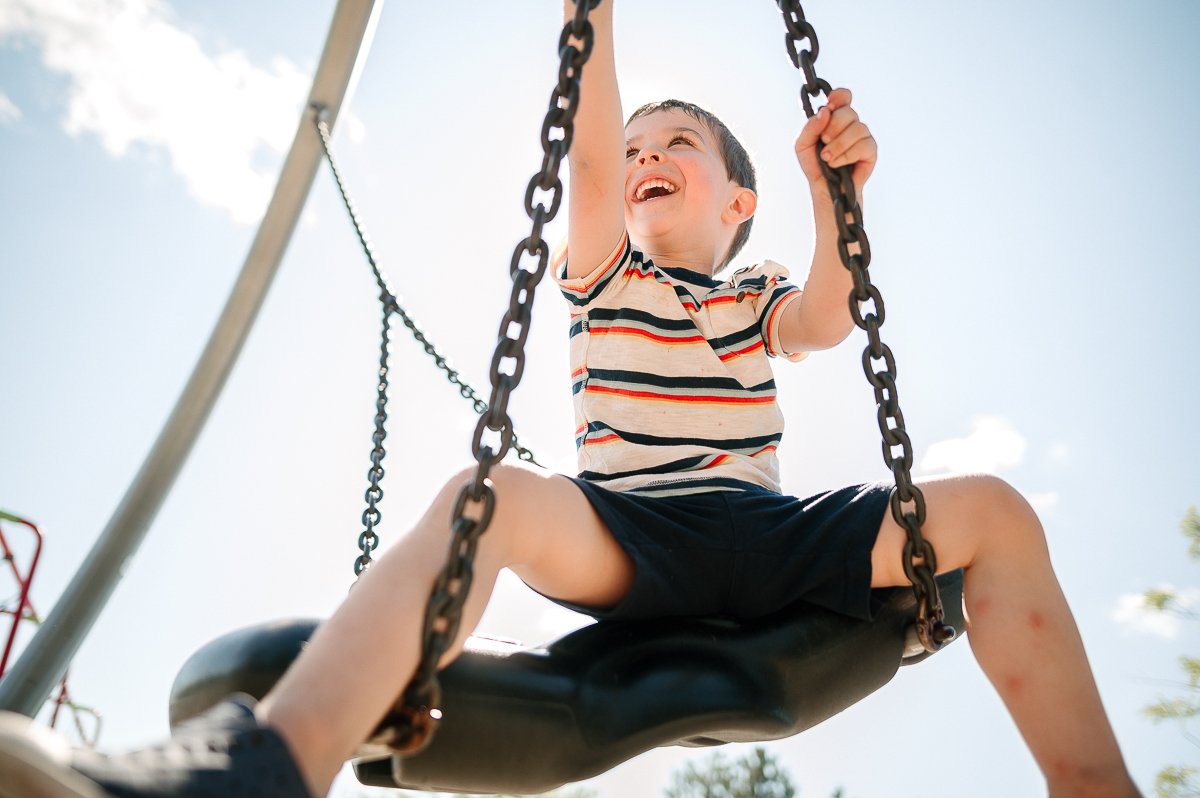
(654, 183)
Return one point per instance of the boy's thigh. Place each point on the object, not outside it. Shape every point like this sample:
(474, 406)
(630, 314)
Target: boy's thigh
(559, 545)
(960, 512)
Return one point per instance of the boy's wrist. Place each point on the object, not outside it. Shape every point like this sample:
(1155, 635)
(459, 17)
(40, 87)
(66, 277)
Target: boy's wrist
(822, 203)
(820, 196)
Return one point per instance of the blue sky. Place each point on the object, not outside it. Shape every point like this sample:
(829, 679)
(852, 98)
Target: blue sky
(1037, 178)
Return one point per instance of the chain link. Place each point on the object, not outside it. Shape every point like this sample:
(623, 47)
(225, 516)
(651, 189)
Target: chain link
(409, 726)
(907, 501)
(368, 541)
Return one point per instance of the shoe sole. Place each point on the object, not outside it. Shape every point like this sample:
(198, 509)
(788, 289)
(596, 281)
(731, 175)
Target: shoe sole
(33, 763)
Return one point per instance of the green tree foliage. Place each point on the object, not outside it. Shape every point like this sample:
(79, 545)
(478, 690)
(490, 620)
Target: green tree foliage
(565, 792)
(755, 775)
(1179, 781)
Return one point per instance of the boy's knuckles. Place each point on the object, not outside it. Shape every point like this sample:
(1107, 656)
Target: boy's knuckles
(843, 113)
(856, 137)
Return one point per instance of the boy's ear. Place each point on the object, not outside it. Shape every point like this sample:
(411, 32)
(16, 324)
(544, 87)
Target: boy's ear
(742, 204)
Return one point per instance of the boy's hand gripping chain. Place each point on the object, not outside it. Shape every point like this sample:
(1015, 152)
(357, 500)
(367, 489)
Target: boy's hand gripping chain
(410, 726)
(907, 501)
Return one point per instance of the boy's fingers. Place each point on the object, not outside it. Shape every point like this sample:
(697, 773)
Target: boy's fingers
(813, 129)
(839, 98)
(845, 140)
(835, 109)
(839, 121)
(862, 153)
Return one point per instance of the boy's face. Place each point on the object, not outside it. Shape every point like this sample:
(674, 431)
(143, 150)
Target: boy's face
(677, 189)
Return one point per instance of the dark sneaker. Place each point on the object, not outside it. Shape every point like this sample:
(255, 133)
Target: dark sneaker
(223, 753)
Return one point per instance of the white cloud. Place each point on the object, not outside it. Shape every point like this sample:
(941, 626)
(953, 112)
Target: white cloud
(991, 445)
(9, 112)
(1133, 613)
(138, 79)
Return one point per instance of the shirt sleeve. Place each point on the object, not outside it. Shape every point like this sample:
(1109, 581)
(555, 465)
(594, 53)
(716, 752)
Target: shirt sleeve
(772, 292)
(580, 291)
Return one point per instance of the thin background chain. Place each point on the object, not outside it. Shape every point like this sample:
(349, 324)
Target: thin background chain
(907, 501)
(368, 541)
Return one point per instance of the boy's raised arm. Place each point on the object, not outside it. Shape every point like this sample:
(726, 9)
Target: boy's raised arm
(821, 319)
(596, 211)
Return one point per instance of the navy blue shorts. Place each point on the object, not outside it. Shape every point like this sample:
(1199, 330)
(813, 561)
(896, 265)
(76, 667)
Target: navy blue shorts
(742, 554)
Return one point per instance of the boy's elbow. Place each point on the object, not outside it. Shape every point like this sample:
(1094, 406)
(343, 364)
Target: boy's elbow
(823, 341)
(840, 334)
(806, 336)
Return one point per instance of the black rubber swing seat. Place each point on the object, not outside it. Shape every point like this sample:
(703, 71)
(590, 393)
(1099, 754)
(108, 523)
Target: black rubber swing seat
(527, 720)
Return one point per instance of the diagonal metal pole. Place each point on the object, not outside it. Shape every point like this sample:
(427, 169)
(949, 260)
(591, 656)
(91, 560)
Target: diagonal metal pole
(33, 676)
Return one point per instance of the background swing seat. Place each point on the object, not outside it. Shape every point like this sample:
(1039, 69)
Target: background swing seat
(527, 720)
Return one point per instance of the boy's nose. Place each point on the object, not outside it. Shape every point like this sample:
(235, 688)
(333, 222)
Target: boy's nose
(649, 155)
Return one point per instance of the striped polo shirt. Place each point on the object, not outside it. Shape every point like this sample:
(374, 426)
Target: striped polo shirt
(672, 385)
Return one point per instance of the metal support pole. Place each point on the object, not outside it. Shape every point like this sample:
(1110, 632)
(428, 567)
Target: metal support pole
(45, 659)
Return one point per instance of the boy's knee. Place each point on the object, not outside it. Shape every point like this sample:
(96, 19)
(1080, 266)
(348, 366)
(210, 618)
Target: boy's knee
(510, 485)
(448, 495)
(1006, 511)
(995, 493)
(511, 481)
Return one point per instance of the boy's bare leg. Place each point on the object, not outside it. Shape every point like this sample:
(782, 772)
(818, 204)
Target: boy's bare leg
(359, 661)
(1020, 628)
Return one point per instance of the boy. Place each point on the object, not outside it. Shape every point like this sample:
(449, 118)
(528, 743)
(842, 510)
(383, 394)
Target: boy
(678, 426)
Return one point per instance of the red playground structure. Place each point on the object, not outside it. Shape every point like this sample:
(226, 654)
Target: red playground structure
(85, 720)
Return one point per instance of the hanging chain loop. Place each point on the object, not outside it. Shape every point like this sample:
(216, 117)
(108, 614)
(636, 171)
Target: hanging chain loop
(411, 724)
(368, 541)
(867, 310)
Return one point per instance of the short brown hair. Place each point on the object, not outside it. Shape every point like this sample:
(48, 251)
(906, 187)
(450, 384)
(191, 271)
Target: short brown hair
(738, 165)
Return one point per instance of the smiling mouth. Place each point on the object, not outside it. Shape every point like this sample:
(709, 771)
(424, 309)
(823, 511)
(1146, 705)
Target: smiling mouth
(653, 189)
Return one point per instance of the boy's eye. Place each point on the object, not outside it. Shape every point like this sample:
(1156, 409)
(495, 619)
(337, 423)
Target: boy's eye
(632, 151)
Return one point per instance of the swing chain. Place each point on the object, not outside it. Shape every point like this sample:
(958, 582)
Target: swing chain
(907, 501)
(368, 541)
(416, 716)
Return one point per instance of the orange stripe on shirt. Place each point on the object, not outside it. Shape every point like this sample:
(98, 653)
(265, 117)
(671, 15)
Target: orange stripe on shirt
(754, 347)
(734, 400)
(689, 305)
(637, 331)
(784, 301)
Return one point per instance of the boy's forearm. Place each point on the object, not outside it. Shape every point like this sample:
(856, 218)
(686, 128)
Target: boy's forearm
(824, 307)
(599, 133)
(596, 207)
(822, 318)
